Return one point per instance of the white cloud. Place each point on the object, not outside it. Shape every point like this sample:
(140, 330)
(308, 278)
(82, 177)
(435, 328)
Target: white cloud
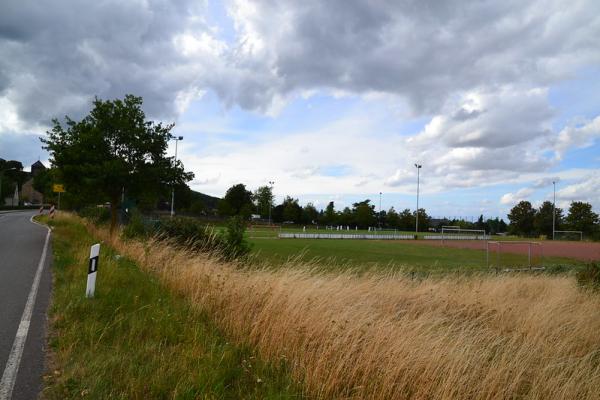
(586, 189)
(514, 198)
(577, 136)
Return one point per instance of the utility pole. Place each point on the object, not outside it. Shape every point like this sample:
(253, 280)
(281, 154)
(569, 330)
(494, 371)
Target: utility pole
(554, 210)
(271, 183)
(176, 139)
(379, 216)
(418, 166)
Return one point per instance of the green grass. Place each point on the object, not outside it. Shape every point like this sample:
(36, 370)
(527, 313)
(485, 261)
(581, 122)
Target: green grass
(137, 340)
(392, 255)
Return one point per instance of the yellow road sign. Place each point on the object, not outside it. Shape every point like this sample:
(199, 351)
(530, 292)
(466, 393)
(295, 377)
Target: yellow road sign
(58, 188)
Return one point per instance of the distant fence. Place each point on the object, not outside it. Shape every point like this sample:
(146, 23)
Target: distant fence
(457, 237)
(343, 236)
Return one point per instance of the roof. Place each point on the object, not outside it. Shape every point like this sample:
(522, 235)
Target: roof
(38, 164)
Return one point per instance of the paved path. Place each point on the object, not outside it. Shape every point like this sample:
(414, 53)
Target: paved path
(22, 328)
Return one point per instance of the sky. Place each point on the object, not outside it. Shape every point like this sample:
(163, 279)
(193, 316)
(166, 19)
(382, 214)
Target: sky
(331, 100)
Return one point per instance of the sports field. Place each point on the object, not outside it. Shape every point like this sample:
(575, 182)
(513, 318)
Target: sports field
(421, 255)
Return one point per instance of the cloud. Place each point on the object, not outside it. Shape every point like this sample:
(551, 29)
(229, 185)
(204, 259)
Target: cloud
(586, 189)
(55, 58)
(401, 177)
(545, 182)
(514, 198)
(485, 135)
(423, 52)
(577, 136)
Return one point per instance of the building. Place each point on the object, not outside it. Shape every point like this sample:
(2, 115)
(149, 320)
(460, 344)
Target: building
(28, 193)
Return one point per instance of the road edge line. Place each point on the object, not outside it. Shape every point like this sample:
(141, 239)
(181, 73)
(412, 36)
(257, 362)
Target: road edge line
(9, 377)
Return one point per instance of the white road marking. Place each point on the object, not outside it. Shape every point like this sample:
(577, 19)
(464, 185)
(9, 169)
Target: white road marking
(9, 376)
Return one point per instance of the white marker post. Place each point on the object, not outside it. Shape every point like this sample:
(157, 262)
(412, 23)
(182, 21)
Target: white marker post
(92, 269)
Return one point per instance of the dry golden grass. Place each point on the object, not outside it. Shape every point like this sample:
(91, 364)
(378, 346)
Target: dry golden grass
(386, 337)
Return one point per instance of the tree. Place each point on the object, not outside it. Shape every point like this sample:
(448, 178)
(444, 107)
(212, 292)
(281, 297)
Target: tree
(237, 201)
(114, 148)
(582, 218)
(364, 214)
(263, 199)
(393, 219)
(11, 175)
(407, 220)
(330, 216)
(424, 220)
(291, 210)
(542, 221)
(521, 219)
(309, 214)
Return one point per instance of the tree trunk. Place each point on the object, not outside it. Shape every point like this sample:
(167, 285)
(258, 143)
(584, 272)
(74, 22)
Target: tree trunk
(113, 215)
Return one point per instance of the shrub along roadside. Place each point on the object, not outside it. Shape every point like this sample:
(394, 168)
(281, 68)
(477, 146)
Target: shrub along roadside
(136, 339)
(183, 231)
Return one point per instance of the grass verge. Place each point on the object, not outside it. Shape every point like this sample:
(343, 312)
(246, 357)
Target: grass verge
(138, 340)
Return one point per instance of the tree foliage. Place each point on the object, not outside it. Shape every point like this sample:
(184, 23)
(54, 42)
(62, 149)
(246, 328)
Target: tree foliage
(111, 150)
(521, 219)
(237, 201)
(263, 199)
(582, 218)
(542, 222)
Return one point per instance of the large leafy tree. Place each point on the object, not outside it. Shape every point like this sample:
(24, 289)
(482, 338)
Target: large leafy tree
(521, 218)
(237, 201)
(309, 214)
(582, 218)
(292, 211)
(364, 214)
(542, 221)
(263, 198)
(393, 219)
(406, 220)
(330, 215)
(111, 150)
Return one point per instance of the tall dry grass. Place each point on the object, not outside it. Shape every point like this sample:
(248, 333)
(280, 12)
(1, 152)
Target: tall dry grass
(386, 337)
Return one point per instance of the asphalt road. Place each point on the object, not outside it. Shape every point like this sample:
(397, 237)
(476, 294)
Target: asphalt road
(21, 248)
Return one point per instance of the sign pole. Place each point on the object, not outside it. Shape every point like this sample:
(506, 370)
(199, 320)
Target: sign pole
(92, 270)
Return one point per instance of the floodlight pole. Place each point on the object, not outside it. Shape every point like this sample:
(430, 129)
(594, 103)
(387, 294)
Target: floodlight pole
(176, 139)
(418, 166)
(554, 210)
(271, 183)
(379, 216)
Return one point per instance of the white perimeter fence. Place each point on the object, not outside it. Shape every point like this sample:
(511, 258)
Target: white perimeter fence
(343, 236)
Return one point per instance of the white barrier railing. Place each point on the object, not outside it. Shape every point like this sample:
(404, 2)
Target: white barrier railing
(456, 237)
(342, 236)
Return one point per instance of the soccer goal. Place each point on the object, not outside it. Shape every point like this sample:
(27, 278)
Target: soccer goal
(568, 235)
(458, 233)
(514, 255)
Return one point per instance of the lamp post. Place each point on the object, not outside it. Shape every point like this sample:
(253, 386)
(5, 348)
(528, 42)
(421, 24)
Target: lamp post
(418, 166)
(271, 183)
(176, 139)
(554, 210)
(379, 216)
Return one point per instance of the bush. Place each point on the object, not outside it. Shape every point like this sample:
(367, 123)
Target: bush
(237, 246)
(96, 215)
(137, 226)
(193, 234)
(589, 276)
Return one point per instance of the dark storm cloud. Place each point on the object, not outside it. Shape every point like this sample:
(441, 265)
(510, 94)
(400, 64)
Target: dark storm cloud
(55, 56)
(423, 50)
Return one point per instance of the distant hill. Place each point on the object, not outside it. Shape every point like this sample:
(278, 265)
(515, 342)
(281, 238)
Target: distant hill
(210, 202)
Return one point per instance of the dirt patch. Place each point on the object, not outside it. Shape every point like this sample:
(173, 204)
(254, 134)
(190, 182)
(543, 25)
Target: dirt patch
(583, 251)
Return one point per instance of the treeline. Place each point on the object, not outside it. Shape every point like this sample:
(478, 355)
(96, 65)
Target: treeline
(363, 214)
(525, 220)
